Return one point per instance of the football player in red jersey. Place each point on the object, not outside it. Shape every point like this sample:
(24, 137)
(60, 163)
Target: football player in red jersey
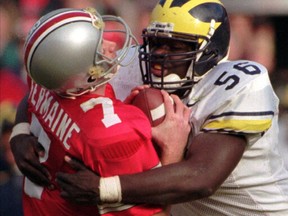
(73, 112)
(232, 165)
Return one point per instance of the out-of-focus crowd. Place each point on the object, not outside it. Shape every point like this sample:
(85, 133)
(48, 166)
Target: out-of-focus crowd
(253, 38)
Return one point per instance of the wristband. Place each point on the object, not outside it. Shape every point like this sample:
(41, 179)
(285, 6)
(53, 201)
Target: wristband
(110, 189)
(20, 128)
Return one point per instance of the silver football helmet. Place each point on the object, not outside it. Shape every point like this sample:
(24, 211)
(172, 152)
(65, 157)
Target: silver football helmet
(63, 50)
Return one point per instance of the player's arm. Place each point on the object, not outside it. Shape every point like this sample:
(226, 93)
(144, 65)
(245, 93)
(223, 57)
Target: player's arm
(78, 187)
(209, 161)
(26, 149)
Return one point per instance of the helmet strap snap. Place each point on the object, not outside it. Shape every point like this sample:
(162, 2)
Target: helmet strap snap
(96, 72)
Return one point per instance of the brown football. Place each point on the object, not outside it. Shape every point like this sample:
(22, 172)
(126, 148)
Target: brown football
(150, 101)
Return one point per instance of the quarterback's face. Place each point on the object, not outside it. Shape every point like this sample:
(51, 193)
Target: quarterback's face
(109, 51)
(109, 48)
(165, 59)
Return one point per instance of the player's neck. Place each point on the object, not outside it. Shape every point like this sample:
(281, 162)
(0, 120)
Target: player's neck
(100, 90)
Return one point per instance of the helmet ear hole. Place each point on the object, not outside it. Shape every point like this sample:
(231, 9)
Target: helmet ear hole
(91, 79)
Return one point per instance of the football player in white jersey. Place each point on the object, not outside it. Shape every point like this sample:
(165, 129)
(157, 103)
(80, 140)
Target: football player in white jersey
(231, 165)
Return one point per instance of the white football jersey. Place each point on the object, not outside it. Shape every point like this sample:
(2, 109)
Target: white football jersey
(235, 97)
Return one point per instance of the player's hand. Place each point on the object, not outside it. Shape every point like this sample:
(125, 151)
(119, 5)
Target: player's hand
(135, 91)
(173, 133)
(26, 151)
(80, 187)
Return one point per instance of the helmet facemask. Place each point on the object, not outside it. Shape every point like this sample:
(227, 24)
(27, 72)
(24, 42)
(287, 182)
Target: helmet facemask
(180, 84)
(106, 67)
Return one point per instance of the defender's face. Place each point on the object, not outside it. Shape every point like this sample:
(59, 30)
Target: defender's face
(168, 56)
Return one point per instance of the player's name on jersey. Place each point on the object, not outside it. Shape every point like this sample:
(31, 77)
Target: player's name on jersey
(52, 114)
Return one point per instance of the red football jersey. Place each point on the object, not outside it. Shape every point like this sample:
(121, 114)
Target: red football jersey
(110, 137)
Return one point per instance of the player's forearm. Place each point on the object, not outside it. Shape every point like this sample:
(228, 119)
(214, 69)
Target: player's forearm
(22, 111)
(22, 126)
(166, 185)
